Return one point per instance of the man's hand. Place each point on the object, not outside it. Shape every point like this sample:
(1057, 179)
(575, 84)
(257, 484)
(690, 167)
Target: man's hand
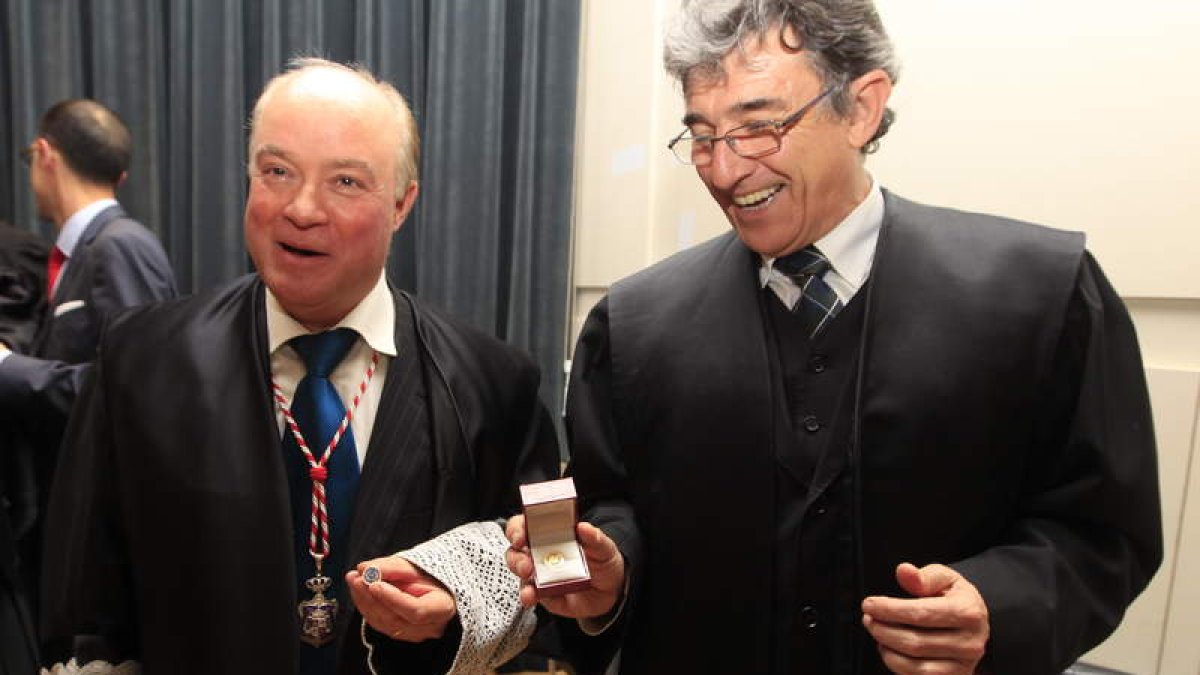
(407, 604)
(943, 629)
(605, 563)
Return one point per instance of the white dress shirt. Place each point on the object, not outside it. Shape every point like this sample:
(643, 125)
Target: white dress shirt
(374, 320)
(850, 248)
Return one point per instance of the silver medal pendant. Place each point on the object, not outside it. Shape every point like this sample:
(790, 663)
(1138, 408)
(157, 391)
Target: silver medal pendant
(317, 614)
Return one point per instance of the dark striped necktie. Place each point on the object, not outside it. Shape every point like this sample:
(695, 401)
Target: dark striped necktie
(818, 303)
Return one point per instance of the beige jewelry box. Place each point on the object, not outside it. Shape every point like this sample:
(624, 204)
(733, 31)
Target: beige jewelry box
(559, 565)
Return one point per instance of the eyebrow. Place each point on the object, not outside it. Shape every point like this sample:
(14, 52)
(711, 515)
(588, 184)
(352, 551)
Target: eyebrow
(348, 163)
(339, 163)
(741, 107)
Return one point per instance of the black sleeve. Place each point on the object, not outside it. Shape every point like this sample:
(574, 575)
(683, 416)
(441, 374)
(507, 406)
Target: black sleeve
(1089, 536)
(87, 589)
(598, 467)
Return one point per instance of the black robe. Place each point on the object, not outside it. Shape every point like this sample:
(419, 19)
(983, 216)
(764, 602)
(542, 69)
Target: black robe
(170, 529)
(1001, 425)
(22, 296)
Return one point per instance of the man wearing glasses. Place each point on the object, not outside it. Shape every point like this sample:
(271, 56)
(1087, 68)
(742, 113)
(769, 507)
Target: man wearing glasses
(857, 434)
(103, 261)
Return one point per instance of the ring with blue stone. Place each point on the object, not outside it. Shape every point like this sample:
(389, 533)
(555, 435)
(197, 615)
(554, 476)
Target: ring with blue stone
(372, 574)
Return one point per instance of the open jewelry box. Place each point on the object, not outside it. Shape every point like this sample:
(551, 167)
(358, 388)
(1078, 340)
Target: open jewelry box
(559, 565)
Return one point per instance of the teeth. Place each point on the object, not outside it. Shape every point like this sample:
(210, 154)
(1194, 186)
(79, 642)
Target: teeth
(756, 198)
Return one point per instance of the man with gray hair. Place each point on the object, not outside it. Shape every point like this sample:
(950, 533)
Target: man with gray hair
(856, 434)
(223, 494)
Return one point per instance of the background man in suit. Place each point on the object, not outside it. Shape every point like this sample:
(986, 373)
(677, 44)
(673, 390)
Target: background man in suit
(853, 411)
(103, 262)
(192, 532)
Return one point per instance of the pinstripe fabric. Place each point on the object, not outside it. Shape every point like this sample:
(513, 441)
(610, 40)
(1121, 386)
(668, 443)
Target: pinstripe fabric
(394, 508)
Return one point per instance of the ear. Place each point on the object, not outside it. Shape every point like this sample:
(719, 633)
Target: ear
(405, 204)
(121, 180)
(44, 152)
(869, 95)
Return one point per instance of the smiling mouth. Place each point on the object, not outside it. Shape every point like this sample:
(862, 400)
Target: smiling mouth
(758, 198)
(300, 251)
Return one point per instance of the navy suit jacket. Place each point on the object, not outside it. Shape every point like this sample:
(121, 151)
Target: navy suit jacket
(117, 264)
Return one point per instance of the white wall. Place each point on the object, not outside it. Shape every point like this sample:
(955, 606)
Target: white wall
(1080, 114)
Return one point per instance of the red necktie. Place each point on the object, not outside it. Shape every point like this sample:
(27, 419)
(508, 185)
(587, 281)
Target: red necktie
(53, 267)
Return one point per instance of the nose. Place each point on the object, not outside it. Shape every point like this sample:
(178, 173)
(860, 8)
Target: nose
(306, 208)
(727, 168)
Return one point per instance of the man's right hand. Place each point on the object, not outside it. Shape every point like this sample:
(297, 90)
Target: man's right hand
(605, 563)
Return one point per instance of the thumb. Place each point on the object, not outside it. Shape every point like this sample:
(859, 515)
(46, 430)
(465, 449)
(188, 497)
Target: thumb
(927, 581)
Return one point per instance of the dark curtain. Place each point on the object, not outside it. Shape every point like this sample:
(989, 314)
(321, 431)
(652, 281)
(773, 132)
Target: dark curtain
(492, 83)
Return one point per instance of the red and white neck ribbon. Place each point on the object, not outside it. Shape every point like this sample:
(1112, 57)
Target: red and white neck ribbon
(318, 538)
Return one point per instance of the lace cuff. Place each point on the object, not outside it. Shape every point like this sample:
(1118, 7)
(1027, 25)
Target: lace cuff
(469, 561)
(95, 668)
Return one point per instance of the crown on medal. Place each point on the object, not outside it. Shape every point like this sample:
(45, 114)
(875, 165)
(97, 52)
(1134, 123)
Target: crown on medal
(318, 584)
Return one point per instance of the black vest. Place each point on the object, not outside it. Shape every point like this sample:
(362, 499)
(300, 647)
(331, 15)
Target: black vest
(813, 397)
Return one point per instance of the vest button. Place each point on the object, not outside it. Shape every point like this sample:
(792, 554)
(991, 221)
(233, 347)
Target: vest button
(811, 424)
(816, 363)
(809, 617)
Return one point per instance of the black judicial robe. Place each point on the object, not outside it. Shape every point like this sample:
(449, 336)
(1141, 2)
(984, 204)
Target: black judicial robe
(170, 531)
(1002, 425)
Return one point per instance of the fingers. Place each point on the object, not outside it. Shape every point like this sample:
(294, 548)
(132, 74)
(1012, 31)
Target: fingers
(407, 604)
(515, 531)
(925, 581)
(946, 644)
(597, 546)
(904, 665)
(605, 563)
(395, 570)
(518, 560)
(947, 600)
(944, 629)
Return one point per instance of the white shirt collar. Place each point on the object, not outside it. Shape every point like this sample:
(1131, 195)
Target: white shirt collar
(73, 229)
(850, 248)
(373, 318)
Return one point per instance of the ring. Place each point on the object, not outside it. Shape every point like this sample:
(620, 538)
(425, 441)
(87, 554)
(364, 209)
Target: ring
(371, 575)
(553, 558)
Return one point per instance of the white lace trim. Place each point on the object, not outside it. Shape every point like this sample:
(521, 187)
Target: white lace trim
(95, 668)
(469, 561)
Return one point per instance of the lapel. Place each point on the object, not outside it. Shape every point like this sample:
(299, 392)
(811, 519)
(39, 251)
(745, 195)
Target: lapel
(74, 284)
(393, 503)
(73, 277)
(262, 428)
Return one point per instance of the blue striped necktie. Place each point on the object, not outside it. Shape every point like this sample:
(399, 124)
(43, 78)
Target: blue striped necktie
(818, 302)
(318, 411)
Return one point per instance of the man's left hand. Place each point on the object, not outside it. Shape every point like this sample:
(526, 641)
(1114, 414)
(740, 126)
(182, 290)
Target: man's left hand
(407, 604)
(943, 629)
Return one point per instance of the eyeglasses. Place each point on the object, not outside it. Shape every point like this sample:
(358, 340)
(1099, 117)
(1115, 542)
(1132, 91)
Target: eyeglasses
(755, 139)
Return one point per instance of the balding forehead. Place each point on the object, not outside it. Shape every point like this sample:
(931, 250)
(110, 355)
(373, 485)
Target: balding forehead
(332, 84)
